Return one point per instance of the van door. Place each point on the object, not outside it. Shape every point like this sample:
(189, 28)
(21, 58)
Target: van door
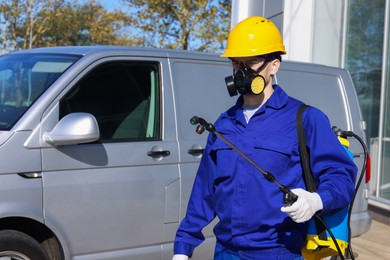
(200, 90)
(111, 199)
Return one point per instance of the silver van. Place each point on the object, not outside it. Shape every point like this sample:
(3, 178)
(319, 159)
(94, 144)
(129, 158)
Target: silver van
(98, 155)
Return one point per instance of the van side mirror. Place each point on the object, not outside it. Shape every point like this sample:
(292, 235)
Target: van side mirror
(74, 128)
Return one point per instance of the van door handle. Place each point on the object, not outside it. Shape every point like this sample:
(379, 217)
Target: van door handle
(158, 152)
(196, 151)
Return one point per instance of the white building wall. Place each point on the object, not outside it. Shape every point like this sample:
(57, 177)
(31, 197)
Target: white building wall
(313, 31)
(272, 10)
(298, 21)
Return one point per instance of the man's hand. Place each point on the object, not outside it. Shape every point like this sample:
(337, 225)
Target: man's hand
(180, 257)
(304, 208)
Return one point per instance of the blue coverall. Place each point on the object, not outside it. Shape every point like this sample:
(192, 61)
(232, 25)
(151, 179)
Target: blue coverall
(226, 186)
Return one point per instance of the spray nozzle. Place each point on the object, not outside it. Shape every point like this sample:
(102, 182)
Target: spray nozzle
(200, 129)
(342, 133)
(203, 125)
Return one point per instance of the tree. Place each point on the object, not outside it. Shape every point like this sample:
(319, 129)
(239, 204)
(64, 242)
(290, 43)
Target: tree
(11, 12)
(22, 17)
(42, 23)
(200, 25)
(87, 23)
(182, 24)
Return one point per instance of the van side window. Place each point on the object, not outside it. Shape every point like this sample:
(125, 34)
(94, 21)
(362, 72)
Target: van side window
(123, 96)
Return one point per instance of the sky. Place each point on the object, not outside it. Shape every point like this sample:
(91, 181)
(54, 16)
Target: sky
(109, 4)
(112, 4)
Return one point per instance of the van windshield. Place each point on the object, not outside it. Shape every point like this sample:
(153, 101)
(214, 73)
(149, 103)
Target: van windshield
(23, 79)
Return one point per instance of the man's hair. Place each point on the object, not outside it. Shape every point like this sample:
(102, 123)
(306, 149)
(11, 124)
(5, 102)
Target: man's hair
(272, 56)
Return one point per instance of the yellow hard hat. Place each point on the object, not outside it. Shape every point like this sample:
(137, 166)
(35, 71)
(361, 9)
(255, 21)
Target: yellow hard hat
(254, 36)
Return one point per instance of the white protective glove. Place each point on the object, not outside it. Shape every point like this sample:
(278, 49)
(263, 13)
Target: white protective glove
(180, 257)
(304, 208)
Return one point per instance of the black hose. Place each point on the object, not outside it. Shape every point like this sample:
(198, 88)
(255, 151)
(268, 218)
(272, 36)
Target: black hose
(365, 152)
(345, 134)
(332, 236)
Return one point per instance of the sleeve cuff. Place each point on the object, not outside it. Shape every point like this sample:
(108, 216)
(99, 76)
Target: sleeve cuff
(326, 198)
(181, 248)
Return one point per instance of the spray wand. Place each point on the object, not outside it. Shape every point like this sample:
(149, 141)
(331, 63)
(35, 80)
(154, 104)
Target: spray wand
(288, 196)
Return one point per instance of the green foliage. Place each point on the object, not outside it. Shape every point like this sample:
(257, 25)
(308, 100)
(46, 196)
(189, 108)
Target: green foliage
(179, 24)
(200, 25)
(84, 24)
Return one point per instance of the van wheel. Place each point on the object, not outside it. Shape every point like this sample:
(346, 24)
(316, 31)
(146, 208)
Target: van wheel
(15, 245)
(52, 249)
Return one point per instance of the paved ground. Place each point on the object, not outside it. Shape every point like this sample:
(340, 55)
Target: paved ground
(375, 244)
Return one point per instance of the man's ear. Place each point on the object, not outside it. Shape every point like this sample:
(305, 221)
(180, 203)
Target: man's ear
(275, 65)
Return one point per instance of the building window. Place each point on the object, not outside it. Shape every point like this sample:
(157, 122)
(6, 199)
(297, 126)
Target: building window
(384, 180)
(364, 52)
(364, 45)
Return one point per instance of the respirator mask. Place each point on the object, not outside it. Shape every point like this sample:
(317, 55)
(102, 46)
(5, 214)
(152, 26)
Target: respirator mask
(246, 80)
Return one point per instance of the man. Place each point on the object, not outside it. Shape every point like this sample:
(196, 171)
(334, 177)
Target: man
(253, 222)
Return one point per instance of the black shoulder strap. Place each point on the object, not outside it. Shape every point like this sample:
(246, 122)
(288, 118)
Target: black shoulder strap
(307, 173)
(305, 158)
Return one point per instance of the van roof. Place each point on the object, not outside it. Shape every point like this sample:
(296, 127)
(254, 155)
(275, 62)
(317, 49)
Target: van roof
(112, 50)
(106, 50)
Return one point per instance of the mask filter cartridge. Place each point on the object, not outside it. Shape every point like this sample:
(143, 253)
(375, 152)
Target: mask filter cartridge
(246, 81)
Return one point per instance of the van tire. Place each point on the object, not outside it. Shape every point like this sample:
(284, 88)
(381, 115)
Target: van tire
(17, 245)
(52, 249)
